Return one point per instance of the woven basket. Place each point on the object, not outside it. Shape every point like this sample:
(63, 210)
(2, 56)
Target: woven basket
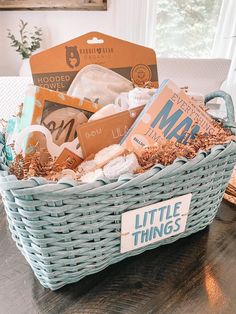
(68, 230)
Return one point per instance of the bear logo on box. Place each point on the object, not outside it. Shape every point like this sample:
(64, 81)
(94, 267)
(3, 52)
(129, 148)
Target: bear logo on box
(72, 56)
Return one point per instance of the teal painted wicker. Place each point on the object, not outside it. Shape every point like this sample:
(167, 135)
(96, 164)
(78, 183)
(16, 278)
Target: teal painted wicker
(67, 230)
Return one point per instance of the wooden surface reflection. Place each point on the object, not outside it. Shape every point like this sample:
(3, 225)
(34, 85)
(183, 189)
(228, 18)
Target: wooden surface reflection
(193, 275)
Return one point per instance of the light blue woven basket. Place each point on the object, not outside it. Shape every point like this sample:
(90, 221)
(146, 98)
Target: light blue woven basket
(68, 230)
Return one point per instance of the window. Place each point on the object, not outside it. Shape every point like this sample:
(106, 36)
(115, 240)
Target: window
(186, 28)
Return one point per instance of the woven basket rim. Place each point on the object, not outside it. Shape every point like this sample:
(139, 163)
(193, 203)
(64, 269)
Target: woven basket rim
(123, 180)
(179, 165)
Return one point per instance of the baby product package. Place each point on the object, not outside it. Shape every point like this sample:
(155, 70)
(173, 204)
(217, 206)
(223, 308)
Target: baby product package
(95, 135)
(172, 115)
(57, 112)
(99, 84)
(11, 131)
(68, 159)
(57, 67)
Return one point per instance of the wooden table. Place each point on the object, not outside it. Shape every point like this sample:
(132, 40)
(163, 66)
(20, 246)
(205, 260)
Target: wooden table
(193, 275)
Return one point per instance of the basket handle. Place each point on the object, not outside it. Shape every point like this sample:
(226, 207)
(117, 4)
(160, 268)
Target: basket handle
(228, 103)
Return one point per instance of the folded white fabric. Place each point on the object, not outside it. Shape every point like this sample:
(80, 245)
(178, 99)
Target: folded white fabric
(98, 84)
(199, 98)
(121, 165)
(86, 166)
(68, 173)
(107, 154)
(105, 112)
(140, 96)
(91, 170)
(135, 97)
(92, 176)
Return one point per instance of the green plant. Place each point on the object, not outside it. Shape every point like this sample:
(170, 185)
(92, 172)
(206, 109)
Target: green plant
(29, 42)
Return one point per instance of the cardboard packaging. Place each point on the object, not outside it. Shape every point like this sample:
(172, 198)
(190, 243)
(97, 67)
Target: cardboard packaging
(172, 115)
(95, 135)
(55, 68)
(11, 131)
(59, 113)
(68, 159)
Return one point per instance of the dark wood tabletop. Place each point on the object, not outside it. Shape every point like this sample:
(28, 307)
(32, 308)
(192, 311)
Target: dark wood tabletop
(193, 275)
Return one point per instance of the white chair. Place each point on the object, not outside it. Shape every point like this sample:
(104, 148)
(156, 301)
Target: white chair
(12, 93)
(200, 75)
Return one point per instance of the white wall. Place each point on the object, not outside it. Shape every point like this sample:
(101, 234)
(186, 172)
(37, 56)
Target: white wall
(58, 26)
(126, 19)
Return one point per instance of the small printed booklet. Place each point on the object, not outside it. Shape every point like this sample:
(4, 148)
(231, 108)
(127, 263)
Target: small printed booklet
(172, 115)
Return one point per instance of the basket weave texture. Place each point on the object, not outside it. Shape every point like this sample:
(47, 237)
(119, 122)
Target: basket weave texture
(68, 230)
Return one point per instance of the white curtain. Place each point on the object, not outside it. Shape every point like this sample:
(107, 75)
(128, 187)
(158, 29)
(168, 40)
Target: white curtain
(134, 20)
(225, 43)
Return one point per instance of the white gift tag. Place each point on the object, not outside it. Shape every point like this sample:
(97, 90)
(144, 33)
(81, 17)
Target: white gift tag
(153, 223)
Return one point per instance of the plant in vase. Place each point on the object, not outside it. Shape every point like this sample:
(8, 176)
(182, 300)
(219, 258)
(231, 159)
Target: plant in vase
(26, 44)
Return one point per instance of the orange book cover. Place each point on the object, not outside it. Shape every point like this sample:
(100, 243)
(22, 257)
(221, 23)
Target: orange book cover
(171, 115)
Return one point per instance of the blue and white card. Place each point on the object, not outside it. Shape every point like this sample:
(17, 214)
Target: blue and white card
(153, 223)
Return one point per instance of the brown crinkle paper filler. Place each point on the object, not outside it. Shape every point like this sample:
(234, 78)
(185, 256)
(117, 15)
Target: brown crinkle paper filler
(18, 167)
(147, 84)
(166, 152)
(33, 165)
